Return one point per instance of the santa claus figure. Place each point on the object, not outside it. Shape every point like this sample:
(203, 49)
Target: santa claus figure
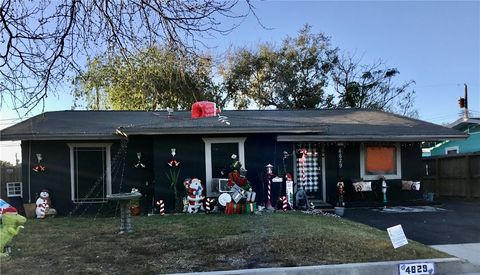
(194, 195)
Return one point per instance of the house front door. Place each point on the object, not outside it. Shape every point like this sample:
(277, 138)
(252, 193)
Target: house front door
(308, 169)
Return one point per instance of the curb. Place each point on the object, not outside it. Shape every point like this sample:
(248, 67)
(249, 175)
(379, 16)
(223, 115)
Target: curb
(442, 266)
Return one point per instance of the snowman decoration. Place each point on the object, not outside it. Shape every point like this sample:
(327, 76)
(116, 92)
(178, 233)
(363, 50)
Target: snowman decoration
(43, 204)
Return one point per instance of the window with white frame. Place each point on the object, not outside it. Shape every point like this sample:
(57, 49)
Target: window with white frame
(14, 189)
(218, 153)
(90, 172)
(380, 160)
(451, 150)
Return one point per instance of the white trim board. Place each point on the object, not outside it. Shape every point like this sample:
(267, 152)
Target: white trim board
(208, 156)
(108, 163)
(398, 175)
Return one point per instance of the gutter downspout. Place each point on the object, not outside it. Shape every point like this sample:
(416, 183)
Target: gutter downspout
(29, 172)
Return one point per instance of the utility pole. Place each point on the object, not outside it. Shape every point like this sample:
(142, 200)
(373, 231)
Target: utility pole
(463, 102)
(466, 102)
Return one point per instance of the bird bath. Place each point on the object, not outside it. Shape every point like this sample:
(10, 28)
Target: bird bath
(124, 200)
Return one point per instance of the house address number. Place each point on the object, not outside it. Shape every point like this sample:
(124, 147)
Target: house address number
(416, 268)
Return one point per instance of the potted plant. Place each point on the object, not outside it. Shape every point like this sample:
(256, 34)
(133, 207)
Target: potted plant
(134, 205)
(173, 176)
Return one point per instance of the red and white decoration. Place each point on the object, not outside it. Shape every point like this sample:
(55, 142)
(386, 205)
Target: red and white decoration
(161, 207)
(289, 189)
(39, 167)
(308, 168)
(6, 208)
(43, 208)
(204, 109)
(284, 201)
(209, 205)
(194, 195)
(268, 178)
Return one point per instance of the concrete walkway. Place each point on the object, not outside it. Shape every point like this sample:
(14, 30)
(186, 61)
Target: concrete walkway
(467, 251)
(442, 266)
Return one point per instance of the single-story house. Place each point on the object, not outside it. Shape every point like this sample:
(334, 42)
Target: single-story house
(471, 126)
(82, 156)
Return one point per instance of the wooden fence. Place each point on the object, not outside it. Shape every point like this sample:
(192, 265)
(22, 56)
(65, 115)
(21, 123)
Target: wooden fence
(8, 175)
(453, 175)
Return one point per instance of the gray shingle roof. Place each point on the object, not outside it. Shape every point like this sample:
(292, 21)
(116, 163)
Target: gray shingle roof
(331, 124)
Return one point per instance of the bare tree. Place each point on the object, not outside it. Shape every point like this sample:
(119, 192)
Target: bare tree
(45, 42)
(371, 86)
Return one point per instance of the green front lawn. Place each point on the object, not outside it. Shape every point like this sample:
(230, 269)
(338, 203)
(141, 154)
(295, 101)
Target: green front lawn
(181, 243)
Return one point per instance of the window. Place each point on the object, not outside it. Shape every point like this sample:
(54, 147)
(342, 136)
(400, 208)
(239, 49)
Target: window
(380, 160)
(90, 172)
(14, 189)
(218, 152)
(451, 150)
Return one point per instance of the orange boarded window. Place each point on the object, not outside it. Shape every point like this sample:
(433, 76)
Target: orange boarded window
(380, 160)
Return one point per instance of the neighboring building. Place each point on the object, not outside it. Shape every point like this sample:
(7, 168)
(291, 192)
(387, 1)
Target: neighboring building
(86, 155)
(470, 126)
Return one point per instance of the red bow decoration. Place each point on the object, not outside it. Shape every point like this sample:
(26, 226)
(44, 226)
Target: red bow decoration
(39, 168)
(173, 163)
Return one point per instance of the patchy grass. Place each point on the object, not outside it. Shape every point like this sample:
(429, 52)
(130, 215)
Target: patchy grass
(185, 243)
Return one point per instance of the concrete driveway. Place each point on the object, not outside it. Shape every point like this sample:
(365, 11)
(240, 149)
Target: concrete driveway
(452, 227)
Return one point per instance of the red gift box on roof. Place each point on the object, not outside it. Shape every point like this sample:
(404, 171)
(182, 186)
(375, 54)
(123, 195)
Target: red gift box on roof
(204, 109)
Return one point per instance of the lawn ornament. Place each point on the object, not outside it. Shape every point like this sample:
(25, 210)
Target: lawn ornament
(224, 199)
(284, 202)
(134, 205)
(238, 182)
(209, 202)
(384, 189)
(268, 181)
(44, 206)
(289, 189)
(251, 208)
(11, 225)
(301, 199)
(5, 207)
(340, 193)
(194, 195)
(161, 207)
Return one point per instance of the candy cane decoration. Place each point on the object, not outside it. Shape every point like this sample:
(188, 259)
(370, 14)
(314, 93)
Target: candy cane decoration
(269, 186)
(285, 203)
(161, 206)
(303, 151)
(208, 205)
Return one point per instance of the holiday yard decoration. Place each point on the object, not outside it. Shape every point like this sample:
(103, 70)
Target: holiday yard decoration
(384, 189)
(194, 195)
(11, 225)
(44, 206)
(134, 207)
(161, 207)
(340, 192)
(204, 109)
(39, 167)
(284, 202)
(173, 176)
(209, 202)
(268, 182)
(6, 208)
(289, 189)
